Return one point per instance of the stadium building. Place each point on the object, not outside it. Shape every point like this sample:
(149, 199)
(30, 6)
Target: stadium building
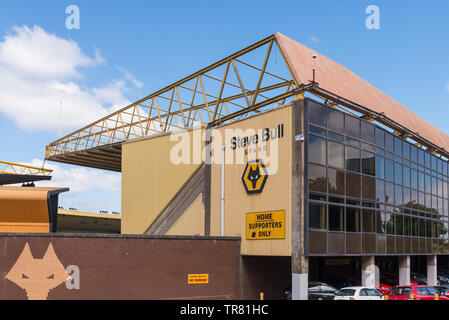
(317, 172)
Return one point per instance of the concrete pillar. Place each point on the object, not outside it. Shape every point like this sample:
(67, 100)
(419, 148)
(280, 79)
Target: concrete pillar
(404, 270)
(432, 270)
(370, 275)
(300, 281)
(300, 262)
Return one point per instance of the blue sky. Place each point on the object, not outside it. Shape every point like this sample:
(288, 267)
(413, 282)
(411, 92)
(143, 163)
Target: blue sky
(130, 49)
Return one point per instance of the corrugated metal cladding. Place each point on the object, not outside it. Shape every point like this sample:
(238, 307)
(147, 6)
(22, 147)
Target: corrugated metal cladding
(118, 267)
(276, 194)
(150, 179)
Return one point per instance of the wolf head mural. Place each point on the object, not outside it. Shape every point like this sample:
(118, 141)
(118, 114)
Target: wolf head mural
(37, 276)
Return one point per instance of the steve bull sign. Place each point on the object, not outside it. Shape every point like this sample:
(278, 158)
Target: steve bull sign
(268, 225)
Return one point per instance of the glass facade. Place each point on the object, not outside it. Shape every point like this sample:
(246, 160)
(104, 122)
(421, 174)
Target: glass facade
(380, 193)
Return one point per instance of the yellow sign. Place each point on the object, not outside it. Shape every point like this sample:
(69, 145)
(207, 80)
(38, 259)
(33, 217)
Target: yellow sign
(198, 278)
(254, 177)
(265, 225)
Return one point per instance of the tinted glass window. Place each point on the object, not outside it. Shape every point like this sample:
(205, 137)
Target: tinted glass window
(317, 216)
(336, 218)
(368, 221)
(336, 154)
(317, 149)
(368, 163)
(317, 178)
(380, 138)
(389, 144)
(336, 120)
(380, 167)
(352, 159)
(353, 185)
(352, 219)
(352, 127)
(368, 132)
(389, 170)
(317, 114)
(336, 180)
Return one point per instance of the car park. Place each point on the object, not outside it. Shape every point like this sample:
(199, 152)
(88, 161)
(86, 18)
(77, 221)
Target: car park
(358, 293)
(419, 292)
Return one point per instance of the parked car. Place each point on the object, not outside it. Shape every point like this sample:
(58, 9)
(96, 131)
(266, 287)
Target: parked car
(321, 291)
(342, 282)
(317, 291)
(418, 278)
(443, 278)
(383, 288)
(419, 292)
(443, 290)
(358, 293)
(392, 280)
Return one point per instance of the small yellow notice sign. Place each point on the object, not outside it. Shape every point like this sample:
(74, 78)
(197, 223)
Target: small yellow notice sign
(268, 225)
(198, 278)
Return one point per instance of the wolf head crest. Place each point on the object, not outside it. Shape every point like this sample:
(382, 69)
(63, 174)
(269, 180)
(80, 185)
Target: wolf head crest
(37, 276)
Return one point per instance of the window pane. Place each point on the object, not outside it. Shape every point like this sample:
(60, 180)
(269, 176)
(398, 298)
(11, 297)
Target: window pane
(336, 154)
(317, 150)
(336, 120)
(352, 126)
(367, 132)
(407, 226)
(368, 188)
(389, 144)
(317, 178)
(380, 138)
(421, 157)
(389, 221)
(368, 163)
(317, 113)
(352, 159)
(398, 146)
(389, 193)
(353, 185)
(399, 224)
(380, 191)
(352, 219)
(336, 218)
(368, 221)
(414, 179)
(398, 173)
(317, 216)
(414, 154)
(406, 150)
(336, 181)
(406, 176)
(398, 195)
(389, 170)
(380, 167)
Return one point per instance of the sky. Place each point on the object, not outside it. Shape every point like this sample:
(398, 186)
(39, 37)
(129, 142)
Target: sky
(54, 81)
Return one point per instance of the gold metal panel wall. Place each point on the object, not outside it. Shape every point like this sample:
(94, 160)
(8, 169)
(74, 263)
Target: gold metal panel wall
(191, 222)
(150, 180)
(24, 210)
(275, 196)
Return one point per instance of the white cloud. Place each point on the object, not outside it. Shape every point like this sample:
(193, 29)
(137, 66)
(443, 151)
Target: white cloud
(79, 180)
(38, 70)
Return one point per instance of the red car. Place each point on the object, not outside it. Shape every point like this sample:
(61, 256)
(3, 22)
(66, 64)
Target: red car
(414, 293)
(383, 288)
